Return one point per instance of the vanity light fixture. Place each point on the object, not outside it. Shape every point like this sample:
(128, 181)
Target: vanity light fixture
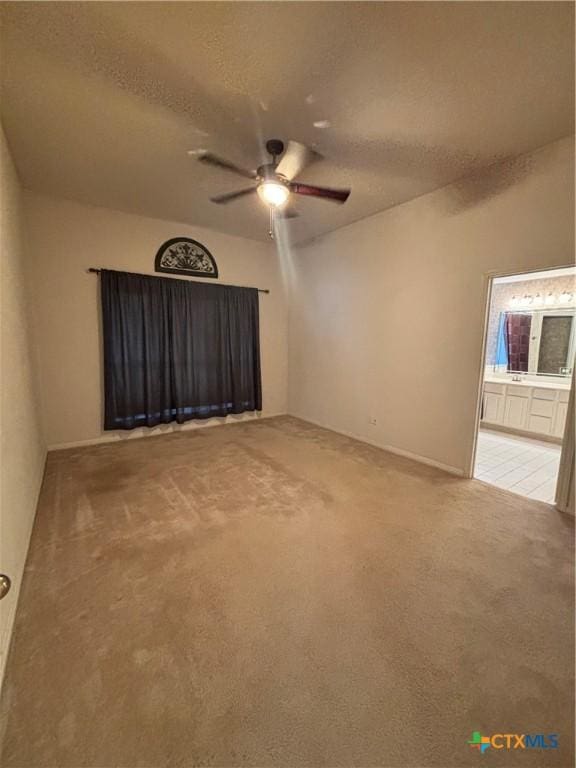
(528, 300)
(550, 299)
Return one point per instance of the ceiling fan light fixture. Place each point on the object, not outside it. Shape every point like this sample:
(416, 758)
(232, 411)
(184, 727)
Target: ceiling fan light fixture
(273, 193)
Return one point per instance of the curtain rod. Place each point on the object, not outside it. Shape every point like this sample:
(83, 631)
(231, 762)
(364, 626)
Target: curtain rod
(260, 290)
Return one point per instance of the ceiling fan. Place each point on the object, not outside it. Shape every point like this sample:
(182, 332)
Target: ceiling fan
(275, 181)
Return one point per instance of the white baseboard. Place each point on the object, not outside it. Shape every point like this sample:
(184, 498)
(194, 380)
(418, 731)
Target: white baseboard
(167, 429)
(163, 429)
(390, 448)
(502, 428)
(425, 460)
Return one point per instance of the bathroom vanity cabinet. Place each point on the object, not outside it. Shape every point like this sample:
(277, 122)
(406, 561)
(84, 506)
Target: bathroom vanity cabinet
(526, 407)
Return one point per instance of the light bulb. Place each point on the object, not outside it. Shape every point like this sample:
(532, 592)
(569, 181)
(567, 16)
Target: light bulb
(514, 301)
(538, 300)
(550, 299)
(273, 193)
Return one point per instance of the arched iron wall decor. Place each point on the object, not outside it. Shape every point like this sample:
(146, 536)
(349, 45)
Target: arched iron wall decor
(184, 256)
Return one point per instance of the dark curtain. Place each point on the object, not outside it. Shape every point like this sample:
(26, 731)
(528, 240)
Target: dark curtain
(176, 350)
(517, 332)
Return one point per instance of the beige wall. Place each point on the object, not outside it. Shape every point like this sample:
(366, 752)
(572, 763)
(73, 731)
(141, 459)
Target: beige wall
(66, 238)
(386, 314)
(22, 450)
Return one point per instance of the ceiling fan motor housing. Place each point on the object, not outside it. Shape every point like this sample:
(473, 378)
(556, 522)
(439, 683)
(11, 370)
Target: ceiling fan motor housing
(268, 172)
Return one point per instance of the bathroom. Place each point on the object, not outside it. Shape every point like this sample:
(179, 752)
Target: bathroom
(529, 360)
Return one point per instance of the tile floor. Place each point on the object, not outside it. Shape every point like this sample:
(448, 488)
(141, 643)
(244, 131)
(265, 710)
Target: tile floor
(518, 464)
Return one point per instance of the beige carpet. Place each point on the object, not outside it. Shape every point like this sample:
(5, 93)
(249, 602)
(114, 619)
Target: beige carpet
(273, 594)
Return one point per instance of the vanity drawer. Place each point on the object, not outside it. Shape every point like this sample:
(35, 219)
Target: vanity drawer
(542, 408)
(563, 395)
(544, 394)
(518, 391)
(540, 424)
(496, 389)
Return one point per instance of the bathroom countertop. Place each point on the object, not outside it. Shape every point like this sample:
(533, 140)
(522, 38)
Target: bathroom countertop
(528, 382)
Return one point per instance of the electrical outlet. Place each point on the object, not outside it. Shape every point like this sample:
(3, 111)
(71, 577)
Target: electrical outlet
(372, 421)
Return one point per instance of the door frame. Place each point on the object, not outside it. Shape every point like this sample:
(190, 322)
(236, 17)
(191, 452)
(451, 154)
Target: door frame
(488, 281)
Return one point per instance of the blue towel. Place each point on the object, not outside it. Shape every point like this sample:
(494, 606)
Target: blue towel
(501, 345)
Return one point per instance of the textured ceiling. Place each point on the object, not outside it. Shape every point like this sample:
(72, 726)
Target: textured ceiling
(101, 102)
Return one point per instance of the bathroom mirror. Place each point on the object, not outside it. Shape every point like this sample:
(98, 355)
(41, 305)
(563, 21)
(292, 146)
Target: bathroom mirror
(537, 341)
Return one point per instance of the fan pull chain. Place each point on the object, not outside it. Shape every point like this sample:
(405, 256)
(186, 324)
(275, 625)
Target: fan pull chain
(271, 230)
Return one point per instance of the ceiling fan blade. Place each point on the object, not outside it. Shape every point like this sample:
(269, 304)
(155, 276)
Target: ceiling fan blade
(227, 197)
(225, 165)
(296, 157)
(335, 195)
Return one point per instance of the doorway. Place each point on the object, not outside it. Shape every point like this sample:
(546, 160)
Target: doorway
(529, 352)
